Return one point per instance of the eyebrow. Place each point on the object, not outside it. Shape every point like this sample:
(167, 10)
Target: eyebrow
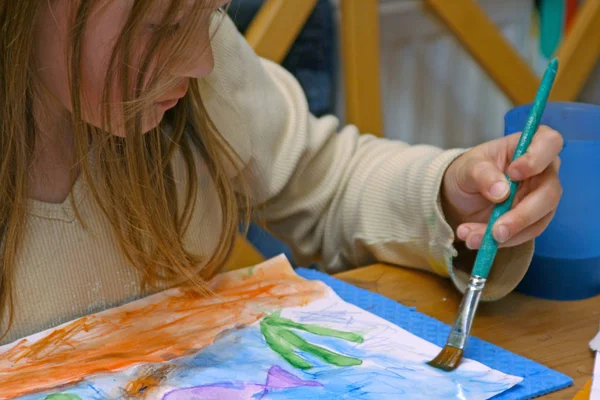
(160, 7)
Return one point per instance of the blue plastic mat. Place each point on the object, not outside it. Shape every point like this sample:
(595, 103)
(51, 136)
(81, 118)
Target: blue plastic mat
(538, 379)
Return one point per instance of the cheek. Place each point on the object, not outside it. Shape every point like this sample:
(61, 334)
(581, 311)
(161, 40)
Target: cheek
(197, 61)
(207, 62)
(93, 79)
(51, 54)
(98, 44)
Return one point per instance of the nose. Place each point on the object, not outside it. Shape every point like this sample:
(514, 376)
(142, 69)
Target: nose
(199, 63)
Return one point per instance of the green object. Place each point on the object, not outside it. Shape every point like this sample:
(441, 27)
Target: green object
(489, 246)
(315, 329)
(62, 396)
(278, 334)
(552, 15)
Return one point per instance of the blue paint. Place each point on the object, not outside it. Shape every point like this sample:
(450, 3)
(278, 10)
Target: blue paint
(538, 380)
(95, 390)
(243, 353)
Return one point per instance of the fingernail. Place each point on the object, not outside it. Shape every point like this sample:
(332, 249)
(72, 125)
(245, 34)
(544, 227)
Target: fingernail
(463, 232)
(474, 243)
(515, 175)
(499, 189)
(502, 233)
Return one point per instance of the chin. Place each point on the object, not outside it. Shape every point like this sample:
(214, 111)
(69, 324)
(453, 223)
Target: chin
(147, 126)
(150, 121)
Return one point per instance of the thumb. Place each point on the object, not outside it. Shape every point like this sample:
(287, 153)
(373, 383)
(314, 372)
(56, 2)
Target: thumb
(486, 178)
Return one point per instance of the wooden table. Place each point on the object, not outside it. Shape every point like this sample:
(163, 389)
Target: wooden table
(553, 333)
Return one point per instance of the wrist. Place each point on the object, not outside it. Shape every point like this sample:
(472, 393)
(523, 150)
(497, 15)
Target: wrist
(451, 213)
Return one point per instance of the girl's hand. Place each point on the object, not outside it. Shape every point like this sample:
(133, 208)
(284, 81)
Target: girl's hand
(476, 180)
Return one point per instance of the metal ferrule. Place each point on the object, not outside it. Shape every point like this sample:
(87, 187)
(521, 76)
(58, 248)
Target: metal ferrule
(462, 326)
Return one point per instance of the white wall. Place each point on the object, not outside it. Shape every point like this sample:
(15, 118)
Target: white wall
(433, 92)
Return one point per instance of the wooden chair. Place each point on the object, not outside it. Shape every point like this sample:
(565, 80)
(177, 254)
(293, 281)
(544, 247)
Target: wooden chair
(578, 53)
(278, 23)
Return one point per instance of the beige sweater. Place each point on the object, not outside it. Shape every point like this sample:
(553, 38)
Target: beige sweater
(344, 198)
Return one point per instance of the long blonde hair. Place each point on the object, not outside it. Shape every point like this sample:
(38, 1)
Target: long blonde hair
(131, 177)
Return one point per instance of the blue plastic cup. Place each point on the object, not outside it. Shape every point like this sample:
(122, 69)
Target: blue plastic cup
(566, 262)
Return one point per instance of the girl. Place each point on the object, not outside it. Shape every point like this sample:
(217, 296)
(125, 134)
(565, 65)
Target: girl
(136, 134)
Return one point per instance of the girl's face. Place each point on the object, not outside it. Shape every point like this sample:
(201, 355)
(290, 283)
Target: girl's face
(103, 28)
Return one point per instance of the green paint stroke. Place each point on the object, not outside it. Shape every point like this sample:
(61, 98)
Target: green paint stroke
(326, 355)
(283, 347)
(278, 335)
(62, 396)
(315, 329)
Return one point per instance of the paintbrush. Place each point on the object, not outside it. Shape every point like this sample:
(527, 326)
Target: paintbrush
(450, 356)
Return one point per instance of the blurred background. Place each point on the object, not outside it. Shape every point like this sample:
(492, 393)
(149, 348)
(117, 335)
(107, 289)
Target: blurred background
(432, 90)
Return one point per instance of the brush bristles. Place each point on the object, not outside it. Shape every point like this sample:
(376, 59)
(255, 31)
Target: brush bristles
(448, 359)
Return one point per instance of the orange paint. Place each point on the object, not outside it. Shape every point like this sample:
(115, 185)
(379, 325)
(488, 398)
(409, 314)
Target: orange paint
(50, 343)
(144, 385)
(159, 328)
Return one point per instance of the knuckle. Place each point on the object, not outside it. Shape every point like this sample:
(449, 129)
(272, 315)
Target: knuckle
(559, 193)
(555, 138)
(480, 171)
(521, 221)
(554, 194)
(532, 161)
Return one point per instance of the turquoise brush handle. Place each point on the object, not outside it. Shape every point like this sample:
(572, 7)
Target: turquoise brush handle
(489, 246)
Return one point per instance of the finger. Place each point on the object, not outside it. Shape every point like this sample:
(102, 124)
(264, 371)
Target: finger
(471, 233)
(556, 163)
(544, 149)
(486, 178)
(531, 232)
(476, 231)
(522, 191)
(475, 238)
(464, 230)
(534, 206)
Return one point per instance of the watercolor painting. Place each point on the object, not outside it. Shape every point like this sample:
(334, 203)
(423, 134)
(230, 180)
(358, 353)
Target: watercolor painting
(265, 334)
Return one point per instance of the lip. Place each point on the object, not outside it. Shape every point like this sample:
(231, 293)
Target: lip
(168, 103)
(172, 101)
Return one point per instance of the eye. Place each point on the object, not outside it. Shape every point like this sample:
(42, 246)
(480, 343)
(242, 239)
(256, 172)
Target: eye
(169, 30)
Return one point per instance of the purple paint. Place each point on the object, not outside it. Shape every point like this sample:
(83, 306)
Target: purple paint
(277, 379)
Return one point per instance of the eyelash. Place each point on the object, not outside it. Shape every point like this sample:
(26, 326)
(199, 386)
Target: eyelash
(171, 30)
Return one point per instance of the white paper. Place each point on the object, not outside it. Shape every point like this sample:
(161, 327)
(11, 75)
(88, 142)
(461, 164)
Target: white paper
(320, 347)
(595, 392)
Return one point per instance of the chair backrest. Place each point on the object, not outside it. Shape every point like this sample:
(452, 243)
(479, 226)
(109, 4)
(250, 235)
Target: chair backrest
(578, 53)
(277, 24)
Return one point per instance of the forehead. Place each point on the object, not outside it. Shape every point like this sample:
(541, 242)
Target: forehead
(161, 7)
(157, 8)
